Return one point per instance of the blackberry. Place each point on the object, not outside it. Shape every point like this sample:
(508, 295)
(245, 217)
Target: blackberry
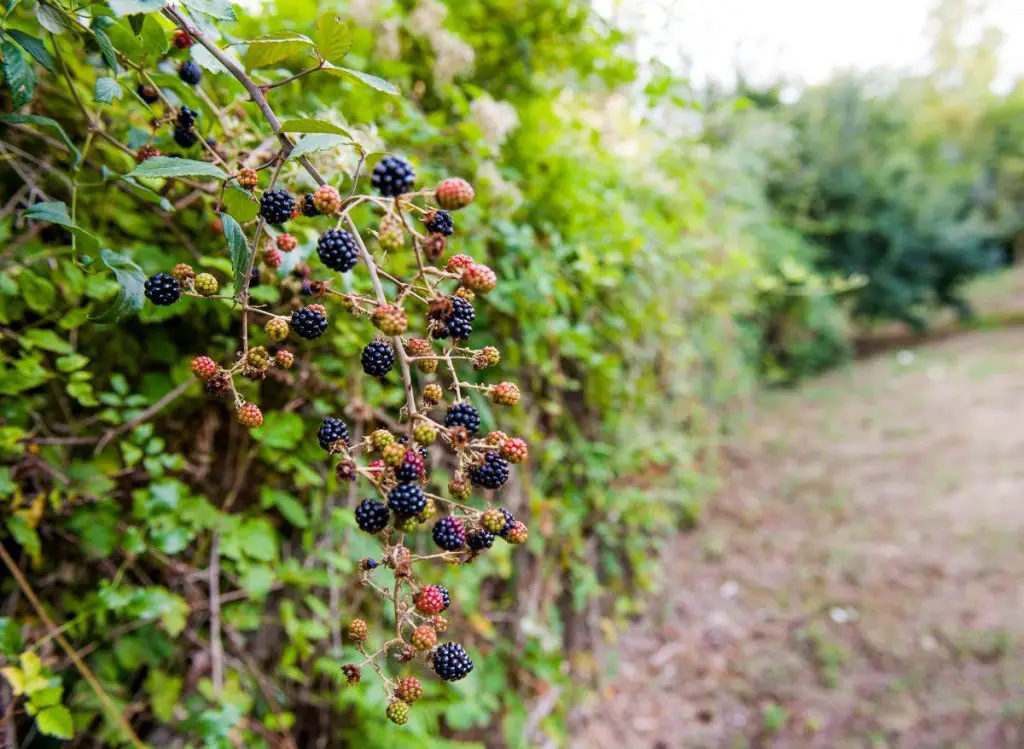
(162, 289)
(431, 599)
(463, 414)
(459, 324)
(393, 176)
(368, 563)
(452, 662)
(406, 500)
(309, 209)
(308, 323)
(509, 522)
(338, 250)
(411, 468)
(378, 358)
(190, 73)
(276, 206)
(492, 474)
(148, 93)
(449, 533)
(479, 540)
(445, 597)
(372, 516)
(332, 430)
(184, 137)
(186, 117)
(440, 222)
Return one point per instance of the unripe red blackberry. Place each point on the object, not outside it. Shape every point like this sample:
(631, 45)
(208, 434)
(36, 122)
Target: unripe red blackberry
(181, 39)
(146, 152)
(206, 284)
(183, 272)
(319, 308)
(453, 193)
(486, 357)
(381, 438)
(217, 225)
(277, 328)
(423, 637)
(494, 521)
(479, 278)
(408, 690)
(250, 415)
(357, 630)
(504, 393)
(458, 263)
(518, 533)
(417, 347)
(286, 242)
(327, 200)
(393, 454)
(398, 713)
(391, 234)
(459, 487)
(515, 451)
(428, 512)
(440, 624)
(432, 394)
(496, 439)
(203, 367)
(353, 674)
(284, 358)
(463, 293)
(248, 178)
(424, 433)
(430, 600)
(258, 356)
(389, 319)
(272, 257)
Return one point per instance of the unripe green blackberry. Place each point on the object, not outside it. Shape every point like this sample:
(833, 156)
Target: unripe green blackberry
(391, 234)
(504, 393)
(393, 454)
(284, 358)
(353, 674)
(440, 624)
(409, 524)
(398, 713)
(408, 690)
(463, 293)
(453, 193)
(459, 487)
(494, 521)
(425, 433)
(424, 637)
(258, 356)
(204, 367)
(428, 512)
(389, 319)
(416, 347)
(486, 357)
(250, 415)
(277, 329)
(479, 278)
(381, 438)
(183, 272)
(327, 200)
(248, 178)
(357, 630)
(432, 394)
(206, 284)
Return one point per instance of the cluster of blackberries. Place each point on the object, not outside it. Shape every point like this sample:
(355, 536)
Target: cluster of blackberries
(332, 430)
(338, 250)
(277, 206)
(377, 358)
(459, 324)
(407, 499)
(463, 414)
(491, 474)
(372, 516)
(393, 176)
(184, 127)
(162, 289)
(452, 662)
(308, 323)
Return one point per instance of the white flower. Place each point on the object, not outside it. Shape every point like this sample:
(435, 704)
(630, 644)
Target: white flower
(363, 12)
(389, 42)
(496, 119)
(454, 57)
(428, 17)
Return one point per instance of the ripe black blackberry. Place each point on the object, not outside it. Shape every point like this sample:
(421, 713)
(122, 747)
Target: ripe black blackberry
(190, 73)
(479, 540)
(308, 323)
(440, 222)
(309, 209)
(449, 533)
(452, 662)
(372, 516)
(406, 500)
(459, 324)
(148, 93)
(185, 137)
(393, 176)
(411, 468)
(509, 522)
(332, 430)
(162, 289)
(276, 206)
(338, 250)
(492, 474)
(186, 117)
(377, 359)
(444, 594)
(463, 414)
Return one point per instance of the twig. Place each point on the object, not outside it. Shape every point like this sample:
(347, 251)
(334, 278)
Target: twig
(216, 646)
(149, 412)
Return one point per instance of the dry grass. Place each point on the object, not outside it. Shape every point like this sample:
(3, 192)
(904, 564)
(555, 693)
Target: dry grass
(859, 582)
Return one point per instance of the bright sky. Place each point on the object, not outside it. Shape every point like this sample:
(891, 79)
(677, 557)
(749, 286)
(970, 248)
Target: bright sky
(804, 39)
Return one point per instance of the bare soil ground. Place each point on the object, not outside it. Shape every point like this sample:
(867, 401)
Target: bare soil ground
(859, 582)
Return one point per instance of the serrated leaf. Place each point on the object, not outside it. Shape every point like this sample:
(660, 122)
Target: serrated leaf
(378, 84)
(36, 48)
(130, 7)
(310, 125)
(312, 143)
(219, 9)
(270, 50)
(107, 50)
(20, 77)
(56, 721)
(333, 37)
(35, 119)
(205, 59)
(238, 248)
(56, 212)
(122, 37)
(153, 37)
(147, 194)
(240, 203)
(131, 291)
(165, 166)
(107, 89)
(51, 19)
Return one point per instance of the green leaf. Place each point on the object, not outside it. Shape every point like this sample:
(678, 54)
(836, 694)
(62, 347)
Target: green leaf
(333, 37)
(378, 84)
(310, 125)
(164, 691)
(165, 166)
(26, 536)
(131, 291)
(51, 19)
(312, 143)
(10, 636)
(270, 50)
(286, 504)
(56, 721)
(205, 59)
(219, 9)
(106, 46)
(71, 362)
(56, 212)
(107, 89)
(153, 37)
(281, 430)
(39, 293)
(47, 339)
(147, 194)
(35, 47)
(130, 7)
(238, 248)
(21, 79)
(240, 203)
(258, 539)
(34, 119)
(122, 36)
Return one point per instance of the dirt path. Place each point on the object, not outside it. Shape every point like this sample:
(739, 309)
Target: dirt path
(859, 583)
